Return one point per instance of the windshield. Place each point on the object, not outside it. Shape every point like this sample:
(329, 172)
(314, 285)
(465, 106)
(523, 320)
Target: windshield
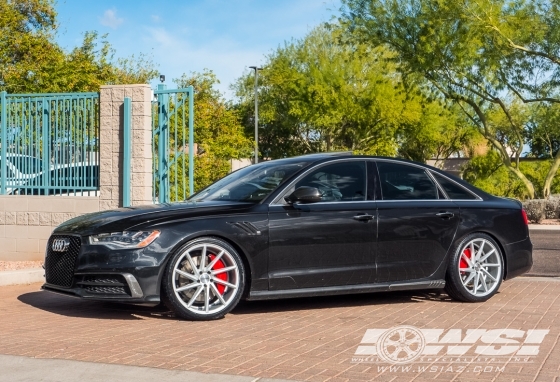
(249, 184)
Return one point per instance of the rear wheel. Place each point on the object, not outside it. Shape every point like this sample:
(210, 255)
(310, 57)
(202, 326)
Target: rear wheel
(476, 270)
(204, 279)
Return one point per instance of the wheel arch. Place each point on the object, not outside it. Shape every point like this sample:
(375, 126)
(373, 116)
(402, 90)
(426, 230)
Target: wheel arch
(185, 240)
(493, 236)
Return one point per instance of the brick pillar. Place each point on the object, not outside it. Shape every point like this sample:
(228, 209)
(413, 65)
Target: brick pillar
(111, 101)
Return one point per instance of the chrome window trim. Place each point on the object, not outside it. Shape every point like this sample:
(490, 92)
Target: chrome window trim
(279, 200)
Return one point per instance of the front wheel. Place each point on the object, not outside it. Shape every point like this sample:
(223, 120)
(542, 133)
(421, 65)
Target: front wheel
(203, 280)
(476, 269)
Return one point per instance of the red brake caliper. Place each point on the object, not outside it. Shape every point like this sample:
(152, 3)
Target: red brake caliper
(463, 263)
(222, 276)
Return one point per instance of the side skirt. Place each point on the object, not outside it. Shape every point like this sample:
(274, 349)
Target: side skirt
(346, 289)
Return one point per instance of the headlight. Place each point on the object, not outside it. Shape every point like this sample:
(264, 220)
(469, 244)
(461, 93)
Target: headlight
(125, 239)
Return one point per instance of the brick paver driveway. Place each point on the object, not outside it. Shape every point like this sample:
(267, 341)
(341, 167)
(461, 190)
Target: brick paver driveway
(304, 339)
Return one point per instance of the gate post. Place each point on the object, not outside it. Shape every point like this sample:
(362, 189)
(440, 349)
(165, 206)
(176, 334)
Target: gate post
(191, 140)
(46, 138)
(111, 145)
(163, 145)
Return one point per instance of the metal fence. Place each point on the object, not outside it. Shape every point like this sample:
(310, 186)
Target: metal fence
(49, 143)
(173, 144)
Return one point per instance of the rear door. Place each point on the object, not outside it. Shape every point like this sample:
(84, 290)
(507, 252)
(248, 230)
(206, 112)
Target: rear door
(416, 223)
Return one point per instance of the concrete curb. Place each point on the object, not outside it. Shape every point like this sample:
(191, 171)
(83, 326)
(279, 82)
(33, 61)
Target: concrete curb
(544, 227)
(22, 276)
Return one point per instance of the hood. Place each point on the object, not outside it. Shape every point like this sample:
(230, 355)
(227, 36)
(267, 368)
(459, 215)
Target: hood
(122, 219)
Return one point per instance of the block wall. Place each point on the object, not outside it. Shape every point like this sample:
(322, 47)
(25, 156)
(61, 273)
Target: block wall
(26, 222)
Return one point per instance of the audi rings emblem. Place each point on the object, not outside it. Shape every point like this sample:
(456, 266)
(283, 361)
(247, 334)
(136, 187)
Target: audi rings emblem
(60, 245)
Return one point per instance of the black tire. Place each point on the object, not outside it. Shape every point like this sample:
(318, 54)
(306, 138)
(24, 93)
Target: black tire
(454, 285)
(199, 311)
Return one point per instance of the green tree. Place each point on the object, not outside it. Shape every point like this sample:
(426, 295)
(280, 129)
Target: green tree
(92, 64)
(480, 54)
(218, 130)
(27, 51)
(320, 94)
(544, 130)
(31, 60)
(488, 173)
(438, 134)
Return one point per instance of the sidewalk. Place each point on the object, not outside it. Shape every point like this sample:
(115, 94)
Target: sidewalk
(16, 369)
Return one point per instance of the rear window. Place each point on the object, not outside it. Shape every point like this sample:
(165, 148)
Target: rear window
(452, 189)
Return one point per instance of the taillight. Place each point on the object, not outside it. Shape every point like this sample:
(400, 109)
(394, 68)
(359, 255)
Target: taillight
(524, 214)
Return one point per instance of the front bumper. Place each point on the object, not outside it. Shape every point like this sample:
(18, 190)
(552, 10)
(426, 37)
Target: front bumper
(96, 273)
(117, 287)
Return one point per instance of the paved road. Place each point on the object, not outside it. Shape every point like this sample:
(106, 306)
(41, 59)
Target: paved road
(546, 253)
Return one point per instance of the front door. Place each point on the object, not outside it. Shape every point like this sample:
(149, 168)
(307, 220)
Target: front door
(328, 243)
(416, 223)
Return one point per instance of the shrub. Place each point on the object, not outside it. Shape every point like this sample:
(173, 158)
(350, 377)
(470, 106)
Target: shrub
(536, 210)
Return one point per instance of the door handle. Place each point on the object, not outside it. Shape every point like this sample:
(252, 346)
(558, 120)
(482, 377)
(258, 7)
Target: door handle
(445, 215)
(363, 217)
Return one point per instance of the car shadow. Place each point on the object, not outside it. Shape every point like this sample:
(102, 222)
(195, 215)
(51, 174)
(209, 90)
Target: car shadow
(340, 301)
(75, 307)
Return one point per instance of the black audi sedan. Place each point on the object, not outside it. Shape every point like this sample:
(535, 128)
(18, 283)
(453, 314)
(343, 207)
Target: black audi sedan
(313, 225)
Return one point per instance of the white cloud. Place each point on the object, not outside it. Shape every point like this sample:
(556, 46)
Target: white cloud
(110, 19)
(177, 54)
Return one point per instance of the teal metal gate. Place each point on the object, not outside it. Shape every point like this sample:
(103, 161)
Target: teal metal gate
(173, 171)
(49, 143)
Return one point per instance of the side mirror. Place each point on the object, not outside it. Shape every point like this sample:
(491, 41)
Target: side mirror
(304, 195)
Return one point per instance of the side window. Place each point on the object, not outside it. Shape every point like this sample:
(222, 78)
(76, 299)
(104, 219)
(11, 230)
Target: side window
(403, 182)
(453, 190)
(342, 181)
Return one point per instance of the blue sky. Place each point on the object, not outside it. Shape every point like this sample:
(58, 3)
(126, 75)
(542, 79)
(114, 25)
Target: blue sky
(190, 35)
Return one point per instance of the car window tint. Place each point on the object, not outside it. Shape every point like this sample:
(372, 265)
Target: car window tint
(452, 189)
(342, 181)
(403, 182)
(250, 184)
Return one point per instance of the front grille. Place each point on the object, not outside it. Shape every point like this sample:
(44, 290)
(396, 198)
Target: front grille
(106, 289)
(59, 266)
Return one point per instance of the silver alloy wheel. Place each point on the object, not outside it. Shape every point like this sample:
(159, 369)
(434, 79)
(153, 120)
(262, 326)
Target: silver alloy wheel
(480, 267)
(205, 278)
